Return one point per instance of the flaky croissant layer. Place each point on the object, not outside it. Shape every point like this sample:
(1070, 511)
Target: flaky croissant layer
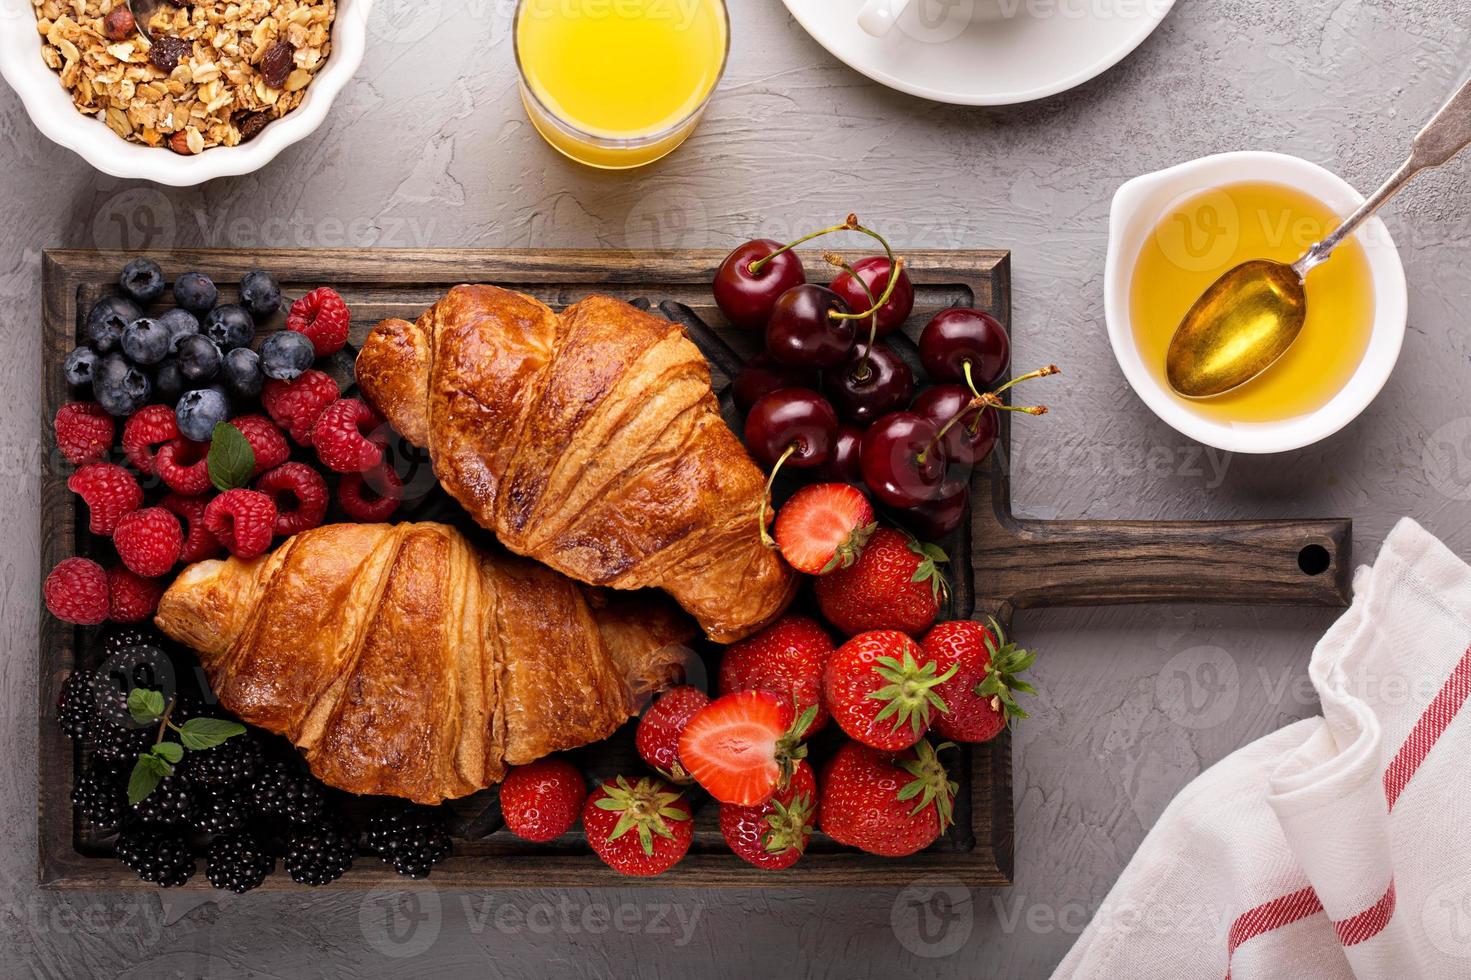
(590, 441)
(404, 661)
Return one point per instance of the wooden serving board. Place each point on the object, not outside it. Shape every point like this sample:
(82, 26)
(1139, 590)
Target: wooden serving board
(999, 564)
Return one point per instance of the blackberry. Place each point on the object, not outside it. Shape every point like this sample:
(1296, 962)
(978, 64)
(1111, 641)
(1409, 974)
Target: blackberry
(218, 811)
(122, 638)
(119, 743)
(168, 804)
(100, 794)
(238, 862)
(282, 790)
(323, 854)
(411, 838)
(234, 761)
(77, 701)
(158, 856)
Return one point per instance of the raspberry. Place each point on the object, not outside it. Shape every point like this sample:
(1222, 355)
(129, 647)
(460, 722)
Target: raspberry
(199, 544)
(83, 432)
(109, 491)
(244, 521)
(323, 316)
(183, 465)
(296, 405)
(148, 428)
(300, 495)
(76, 592)
(148, 541)
(131, 598)
(340, 438)
(265, 440)
(371, 497)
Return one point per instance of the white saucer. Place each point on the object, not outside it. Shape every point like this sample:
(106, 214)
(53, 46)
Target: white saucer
(985, 52)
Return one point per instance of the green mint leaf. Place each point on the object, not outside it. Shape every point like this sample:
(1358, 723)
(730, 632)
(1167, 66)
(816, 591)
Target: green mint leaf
(148, 772)
(231, 461)
(169, 751)
(145, 705)
(206, 733)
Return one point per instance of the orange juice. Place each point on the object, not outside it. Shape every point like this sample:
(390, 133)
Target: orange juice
(619, 83)
(1206, 234)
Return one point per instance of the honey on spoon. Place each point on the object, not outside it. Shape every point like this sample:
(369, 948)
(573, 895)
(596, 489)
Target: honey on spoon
(1249, 318)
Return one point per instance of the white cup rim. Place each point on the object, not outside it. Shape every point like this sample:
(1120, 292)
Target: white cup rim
(1131, 219)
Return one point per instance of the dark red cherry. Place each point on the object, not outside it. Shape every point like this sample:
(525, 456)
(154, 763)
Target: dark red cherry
(791, 417)
(901, 461)
(863, 389)
(942, 516)
(746, 297)
(762, 375)
(875, 272)
(968, 441)
(957, 336)
(801, 333)
(842, 465)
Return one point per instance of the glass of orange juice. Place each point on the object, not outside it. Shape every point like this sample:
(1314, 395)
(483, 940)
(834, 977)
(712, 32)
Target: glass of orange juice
(619, 83)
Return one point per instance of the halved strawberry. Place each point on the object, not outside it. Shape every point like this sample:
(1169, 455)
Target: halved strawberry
(743, 746)
(824, 527)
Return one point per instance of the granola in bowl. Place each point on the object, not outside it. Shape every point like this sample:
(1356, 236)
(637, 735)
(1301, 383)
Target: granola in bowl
(215, 75)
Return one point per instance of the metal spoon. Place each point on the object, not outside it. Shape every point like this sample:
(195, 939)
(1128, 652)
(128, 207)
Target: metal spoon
(143, 11)
(1253, 313)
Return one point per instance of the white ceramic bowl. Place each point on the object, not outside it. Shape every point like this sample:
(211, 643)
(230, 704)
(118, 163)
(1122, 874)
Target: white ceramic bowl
(51, 108)
(1139, 206)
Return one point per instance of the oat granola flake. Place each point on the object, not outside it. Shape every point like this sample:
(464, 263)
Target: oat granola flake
(216, 74)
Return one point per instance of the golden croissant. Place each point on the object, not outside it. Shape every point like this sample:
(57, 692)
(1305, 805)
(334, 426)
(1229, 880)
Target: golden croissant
(590, 441)
(404, 661)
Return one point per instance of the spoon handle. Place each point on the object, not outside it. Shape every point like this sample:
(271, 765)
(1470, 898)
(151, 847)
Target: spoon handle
(1446, 135)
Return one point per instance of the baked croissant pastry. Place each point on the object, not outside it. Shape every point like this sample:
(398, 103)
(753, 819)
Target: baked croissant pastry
(404, 661)
(590, 441)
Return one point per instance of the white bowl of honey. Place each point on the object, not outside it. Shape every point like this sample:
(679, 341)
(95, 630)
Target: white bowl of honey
(1173, 233)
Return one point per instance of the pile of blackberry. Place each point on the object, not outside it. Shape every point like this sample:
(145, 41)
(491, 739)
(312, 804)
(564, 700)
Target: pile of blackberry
(242, 805)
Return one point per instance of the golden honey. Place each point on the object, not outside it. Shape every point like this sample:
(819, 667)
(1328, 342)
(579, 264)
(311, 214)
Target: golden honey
(1208, 233)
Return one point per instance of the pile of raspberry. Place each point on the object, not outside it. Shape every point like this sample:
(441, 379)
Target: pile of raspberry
(153, 495)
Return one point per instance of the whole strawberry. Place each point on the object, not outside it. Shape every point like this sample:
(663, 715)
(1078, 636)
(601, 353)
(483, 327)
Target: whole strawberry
(886, 803)
(542, 801)
(659, 729)
(773, 835)
(896, 584)
(786, 659)
(881, 689)
(638, 828)
(981, 696)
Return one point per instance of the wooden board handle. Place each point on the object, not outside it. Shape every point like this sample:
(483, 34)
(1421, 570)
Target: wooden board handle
(1027, 563)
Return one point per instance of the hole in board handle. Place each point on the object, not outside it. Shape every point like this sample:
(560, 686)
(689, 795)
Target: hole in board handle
(1314, 559)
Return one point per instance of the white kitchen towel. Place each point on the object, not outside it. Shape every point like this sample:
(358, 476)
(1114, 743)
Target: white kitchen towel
(1337, 847)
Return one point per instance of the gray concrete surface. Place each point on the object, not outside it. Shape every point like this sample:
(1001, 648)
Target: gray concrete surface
(429, 147)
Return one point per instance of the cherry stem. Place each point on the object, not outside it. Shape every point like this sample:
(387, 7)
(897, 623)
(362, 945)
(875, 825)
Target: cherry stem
(850, 225)
(873, 323)
(766, 537)
(896, 266)
(969, 380)
(991, 399)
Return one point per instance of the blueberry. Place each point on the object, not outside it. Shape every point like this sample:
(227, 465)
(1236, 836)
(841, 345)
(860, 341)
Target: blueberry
(196, 292)
(242, 374)
(286, 354)
(181, 324)
(199, 358)
(106, 320)
(79, 365)
(142, 279)
(168, 380)
(230, 326)
(199, 411)
(260, 294)
(146, 341)
(119, 387)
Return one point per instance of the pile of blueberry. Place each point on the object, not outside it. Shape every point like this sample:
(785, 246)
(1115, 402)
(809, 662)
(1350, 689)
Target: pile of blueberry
(196, 356)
